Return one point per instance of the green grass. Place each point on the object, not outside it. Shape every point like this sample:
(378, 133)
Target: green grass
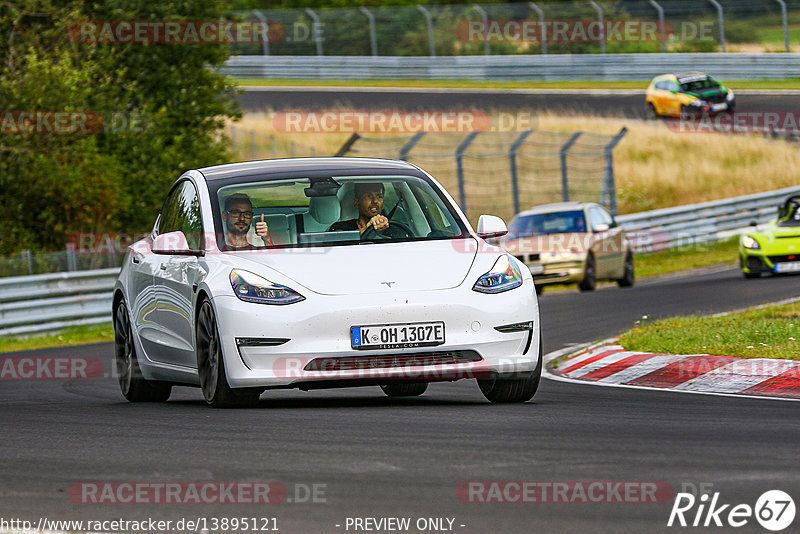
(76, 335)
(687, 257)
(768, 332)
(793, 83)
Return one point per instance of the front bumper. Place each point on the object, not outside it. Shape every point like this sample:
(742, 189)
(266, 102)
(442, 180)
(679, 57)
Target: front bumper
(755, 261)
(547, 268)
(319, 328)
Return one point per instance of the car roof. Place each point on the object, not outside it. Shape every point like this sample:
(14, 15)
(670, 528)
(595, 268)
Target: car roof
(556, 207)
(299, 166)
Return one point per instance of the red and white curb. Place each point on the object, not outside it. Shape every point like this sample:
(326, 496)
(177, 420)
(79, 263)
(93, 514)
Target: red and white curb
(609, 364)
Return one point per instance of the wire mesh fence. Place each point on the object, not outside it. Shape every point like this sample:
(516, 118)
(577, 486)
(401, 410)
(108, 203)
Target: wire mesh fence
(543, 27)
(504, 172)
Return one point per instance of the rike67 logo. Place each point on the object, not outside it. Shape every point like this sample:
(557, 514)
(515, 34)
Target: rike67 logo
(774, 510)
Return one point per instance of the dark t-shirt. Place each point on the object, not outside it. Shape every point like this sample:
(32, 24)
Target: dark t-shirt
(340, 226)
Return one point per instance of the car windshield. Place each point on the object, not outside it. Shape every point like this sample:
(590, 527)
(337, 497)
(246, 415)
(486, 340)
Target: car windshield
(792, 218)
(548, 223)
(332, 211)
(698, 84)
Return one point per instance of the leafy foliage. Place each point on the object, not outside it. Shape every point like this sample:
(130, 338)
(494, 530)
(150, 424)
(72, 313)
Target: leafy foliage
(163, 108)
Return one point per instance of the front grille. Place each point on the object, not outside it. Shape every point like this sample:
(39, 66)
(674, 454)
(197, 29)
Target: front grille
(754, 264)
(715, 99)
(387, 361)
(789, 257)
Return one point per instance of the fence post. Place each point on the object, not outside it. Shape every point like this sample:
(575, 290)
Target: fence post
(512, 159)
(609, 185)
(486, 49)
(602, 25)
(410, 145)
(316, 29)
(542, 26)
(345, 148)
(429, 24)
(661, 25)
(721, 23)
(26, 257)
(564, 174)
(72, 264)
(253, 146)
(373, 36)
(785, 24)
(265, 45)
(462, 193)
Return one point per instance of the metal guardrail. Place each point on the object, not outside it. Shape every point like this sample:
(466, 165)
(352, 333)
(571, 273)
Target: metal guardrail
(515, 67)
(47, 302)
(698, 223)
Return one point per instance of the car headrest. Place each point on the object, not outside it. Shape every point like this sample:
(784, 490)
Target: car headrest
(324, 210)
(346, 196)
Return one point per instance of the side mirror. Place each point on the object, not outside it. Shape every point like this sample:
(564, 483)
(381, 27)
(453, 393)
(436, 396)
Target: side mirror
(491, 226)
(175, 244)
(602, 227)
(753, 223)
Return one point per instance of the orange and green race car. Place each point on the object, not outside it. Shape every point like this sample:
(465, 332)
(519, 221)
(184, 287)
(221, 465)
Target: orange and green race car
(670, 95)
(775, 248)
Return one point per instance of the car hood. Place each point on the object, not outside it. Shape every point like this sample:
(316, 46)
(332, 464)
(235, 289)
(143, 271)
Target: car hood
(778, 239)
(370, 268)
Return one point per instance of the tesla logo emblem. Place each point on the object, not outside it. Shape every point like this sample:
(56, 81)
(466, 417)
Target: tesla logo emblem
(388, 284)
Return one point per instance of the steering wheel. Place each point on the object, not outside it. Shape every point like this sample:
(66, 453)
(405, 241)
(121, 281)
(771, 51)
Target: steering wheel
(396, 229)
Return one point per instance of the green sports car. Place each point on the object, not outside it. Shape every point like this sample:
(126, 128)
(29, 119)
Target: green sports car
(776, 248)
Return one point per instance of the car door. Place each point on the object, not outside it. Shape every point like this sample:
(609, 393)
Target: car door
(613, 242)
(176, 276)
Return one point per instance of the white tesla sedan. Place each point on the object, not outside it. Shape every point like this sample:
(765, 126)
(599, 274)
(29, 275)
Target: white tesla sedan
(317, 273)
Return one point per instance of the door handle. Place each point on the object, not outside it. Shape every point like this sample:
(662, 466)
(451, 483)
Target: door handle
(163, 266)
(134, 259)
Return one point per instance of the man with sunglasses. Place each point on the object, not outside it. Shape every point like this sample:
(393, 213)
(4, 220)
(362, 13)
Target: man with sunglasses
(238, 217)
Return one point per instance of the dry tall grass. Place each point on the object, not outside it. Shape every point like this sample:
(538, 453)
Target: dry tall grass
(655, 167)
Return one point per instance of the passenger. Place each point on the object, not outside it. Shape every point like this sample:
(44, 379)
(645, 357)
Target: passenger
(238, 217)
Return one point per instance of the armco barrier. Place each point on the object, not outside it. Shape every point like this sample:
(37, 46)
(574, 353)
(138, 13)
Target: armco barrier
(46, 302)
(707, 221)
(516, 67)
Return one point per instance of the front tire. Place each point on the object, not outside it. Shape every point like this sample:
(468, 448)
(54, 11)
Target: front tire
(404, 389)
(132, 383)
(589, 281)
(628, 276)
(652, 114)
(211, 365)
(513, 387)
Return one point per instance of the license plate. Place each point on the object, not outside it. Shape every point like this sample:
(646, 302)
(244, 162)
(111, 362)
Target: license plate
(787, 267)
(719, 107)
(397, 336)
(536, 269)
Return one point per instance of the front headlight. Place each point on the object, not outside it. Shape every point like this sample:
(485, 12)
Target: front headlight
(750, 242)
(697, 103)
(502, 277)
(729, 96)
(250, 287)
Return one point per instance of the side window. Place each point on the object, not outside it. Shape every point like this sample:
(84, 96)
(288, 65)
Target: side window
(672, 86)
(182, 212)
(607, 218)
(595, 217)
(663, 85)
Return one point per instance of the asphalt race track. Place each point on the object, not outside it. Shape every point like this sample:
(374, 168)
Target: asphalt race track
(622, 103)
(379, 457)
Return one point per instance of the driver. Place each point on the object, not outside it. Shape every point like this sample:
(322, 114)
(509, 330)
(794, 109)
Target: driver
(369, 203)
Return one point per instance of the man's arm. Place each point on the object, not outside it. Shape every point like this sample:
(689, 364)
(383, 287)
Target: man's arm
(262, 231)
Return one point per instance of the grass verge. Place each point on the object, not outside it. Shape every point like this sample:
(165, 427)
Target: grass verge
(765, 332)
(76, 335)
(791, 83)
